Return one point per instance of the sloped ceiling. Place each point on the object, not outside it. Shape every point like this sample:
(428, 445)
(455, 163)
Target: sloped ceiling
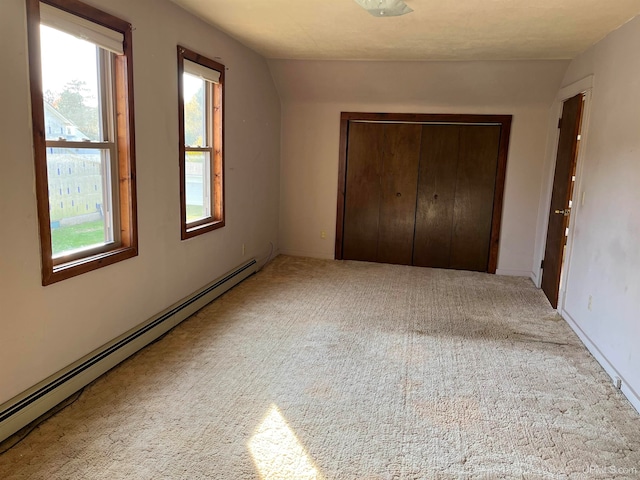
(436, 30)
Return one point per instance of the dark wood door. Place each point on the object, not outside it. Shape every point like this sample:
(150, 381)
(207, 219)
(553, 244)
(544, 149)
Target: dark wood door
(421, 189)
(436, 195)
(475, 188)
(380, 198)
(560, 197)
(454, 213)
(398, 185)
(362, 196)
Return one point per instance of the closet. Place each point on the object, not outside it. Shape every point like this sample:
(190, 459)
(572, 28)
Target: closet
(422, 190)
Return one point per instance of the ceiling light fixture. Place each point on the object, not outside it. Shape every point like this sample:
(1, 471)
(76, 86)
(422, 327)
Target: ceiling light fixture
(385, 8)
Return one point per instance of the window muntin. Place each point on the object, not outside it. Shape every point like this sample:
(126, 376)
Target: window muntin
(81, 88)
(201, 166)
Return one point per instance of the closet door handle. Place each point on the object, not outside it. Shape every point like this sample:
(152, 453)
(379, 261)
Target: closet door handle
(398, 194)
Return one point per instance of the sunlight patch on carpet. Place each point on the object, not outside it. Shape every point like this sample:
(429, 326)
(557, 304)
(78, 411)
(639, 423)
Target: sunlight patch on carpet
(277, 452)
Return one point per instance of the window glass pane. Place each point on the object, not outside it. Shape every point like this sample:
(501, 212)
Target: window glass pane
(195, 113)
(70, 86)
(197, 186)
(79, 203)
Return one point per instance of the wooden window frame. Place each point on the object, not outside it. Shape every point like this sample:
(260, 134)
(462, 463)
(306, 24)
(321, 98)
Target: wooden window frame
(503, 120)
(127, 245)
(215, 125)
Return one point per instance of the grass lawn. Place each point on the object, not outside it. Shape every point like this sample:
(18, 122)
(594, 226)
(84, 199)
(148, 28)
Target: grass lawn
(73, 237)
(194, 212)
(77, 236)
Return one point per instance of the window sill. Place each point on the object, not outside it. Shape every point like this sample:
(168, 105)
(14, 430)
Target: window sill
(195, 230)
(87, 264)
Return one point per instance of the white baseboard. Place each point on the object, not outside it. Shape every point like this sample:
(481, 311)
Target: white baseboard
(514, 273)
(303, 253)
(31, 404)
(608, 367)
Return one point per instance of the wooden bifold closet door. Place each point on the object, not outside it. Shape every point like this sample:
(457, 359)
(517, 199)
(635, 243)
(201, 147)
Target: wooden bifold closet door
(421, 194)
(381, 204)
(455, 196)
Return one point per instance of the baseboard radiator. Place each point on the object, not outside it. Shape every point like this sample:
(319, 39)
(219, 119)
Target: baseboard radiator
(28, 406)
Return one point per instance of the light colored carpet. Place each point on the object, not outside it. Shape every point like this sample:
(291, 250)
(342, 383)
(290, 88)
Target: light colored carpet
(347, 370)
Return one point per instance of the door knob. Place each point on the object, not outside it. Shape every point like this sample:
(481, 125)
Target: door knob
(398, 194)
(564, 212)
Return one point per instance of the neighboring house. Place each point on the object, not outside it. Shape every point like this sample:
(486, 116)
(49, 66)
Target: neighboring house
(57, 126)
(75, 177)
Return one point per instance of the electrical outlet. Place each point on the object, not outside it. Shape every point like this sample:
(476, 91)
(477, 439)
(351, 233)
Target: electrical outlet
(590, 303)
(323, 234)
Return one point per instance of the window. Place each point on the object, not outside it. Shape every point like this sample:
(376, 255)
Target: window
(82, 109)
(200, 101)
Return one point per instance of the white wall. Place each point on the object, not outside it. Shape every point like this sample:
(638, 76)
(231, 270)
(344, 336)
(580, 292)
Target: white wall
(43, 329)
(315, 92)
(605, 253)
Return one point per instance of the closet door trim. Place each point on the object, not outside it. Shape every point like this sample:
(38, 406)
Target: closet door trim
(447, 119)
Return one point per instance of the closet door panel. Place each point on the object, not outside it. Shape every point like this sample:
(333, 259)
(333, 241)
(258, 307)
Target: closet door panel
(436, 195)
(475, 188)
(399, 183)
(362, 193)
